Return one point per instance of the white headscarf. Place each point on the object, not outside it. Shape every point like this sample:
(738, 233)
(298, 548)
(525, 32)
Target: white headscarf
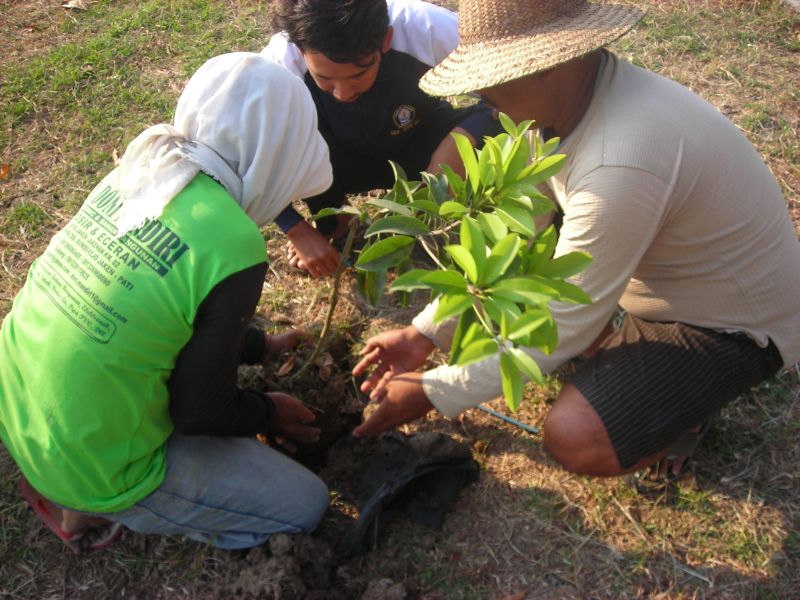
(246, 122)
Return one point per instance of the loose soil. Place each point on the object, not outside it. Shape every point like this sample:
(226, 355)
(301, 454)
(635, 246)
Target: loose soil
(526, 527)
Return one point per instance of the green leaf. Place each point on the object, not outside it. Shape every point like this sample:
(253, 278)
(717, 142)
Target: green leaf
(398, 224)
(403, 189)
(566, 265)
(399, 172)
(451, 305)
(496, 162)
(477, 350)
(463, 259)
(527, 197)
(507, 124)
(385, 254)
(499, 308)
(516, 198)
(455, 181)
(519, 155)
(424, 205)
(492, 226)
(502, 255)
(409, 281)
(445, 282)
(544, 337)
(567, 292)
(371, 285)
(526, 364)
(472, 239)
(485, 170)
(408, 188)
(550, 145)
(476, 331)
(452, 208)
(512, 381)
(542, 170)
(467, 153)
(465, 321)
(541, 250)
(391, 205)
(517, 219)
(524, 126)
(549, 335)
(330, 211)
(527, 323)
(525, 290)
(436, 185)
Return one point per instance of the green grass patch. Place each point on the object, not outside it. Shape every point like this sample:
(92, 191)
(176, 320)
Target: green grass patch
(25, 219)
(115, 70)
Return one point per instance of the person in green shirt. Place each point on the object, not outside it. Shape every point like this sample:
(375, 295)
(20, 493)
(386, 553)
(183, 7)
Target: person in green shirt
(140, 308)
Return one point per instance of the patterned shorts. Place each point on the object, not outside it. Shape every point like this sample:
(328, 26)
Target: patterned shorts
(651, 382)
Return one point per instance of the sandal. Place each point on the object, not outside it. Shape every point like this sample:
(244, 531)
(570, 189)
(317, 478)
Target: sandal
(102, 534)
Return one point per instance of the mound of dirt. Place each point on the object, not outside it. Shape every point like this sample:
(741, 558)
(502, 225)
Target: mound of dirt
(287, 568)
(326, 387)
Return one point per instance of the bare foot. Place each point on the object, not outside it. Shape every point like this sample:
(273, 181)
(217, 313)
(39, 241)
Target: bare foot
(671, 466)
(87, 532)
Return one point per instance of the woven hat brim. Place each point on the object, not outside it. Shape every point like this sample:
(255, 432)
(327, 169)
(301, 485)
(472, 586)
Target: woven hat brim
(481, 65)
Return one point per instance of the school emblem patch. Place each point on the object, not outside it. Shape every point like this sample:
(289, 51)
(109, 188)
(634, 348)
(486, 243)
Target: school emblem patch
(404, 115)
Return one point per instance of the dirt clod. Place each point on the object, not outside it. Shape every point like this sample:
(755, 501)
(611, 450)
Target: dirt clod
(298, 567)
(280, 544)
(384, 589)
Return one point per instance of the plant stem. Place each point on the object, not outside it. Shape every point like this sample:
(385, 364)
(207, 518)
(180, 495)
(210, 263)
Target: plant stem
(430, 252)
(334, 297)
(480, 312)
(445, 230)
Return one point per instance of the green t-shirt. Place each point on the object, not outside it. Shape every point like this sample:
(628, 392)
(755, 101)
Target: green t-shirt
(92, 337)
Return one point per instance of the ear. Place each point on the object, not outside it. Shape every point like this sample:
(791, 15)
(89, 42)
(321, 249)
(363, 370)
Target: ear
(387, 40)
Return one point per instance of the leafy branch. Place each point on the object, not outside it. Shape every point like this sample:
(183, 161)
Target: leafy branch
(494, 271)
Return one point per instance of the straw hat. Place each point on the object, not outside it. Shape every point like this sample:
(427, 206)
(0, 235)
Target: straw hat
(501, 40)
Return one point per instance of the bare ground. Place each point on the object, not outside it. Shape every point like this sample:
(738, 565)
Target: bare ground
(526, 527)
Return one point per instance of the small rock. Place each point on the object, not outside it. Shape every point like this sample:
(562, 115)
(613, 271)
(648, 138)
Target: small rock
(384, 589)
(427, 541)
(280, 544)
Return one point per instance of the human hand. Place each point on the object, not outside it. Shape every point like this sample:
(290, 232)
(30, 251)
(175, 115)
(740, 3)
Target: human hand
(447, 153)
(404, 400)
(291, 421)
(285, 340)
(394, 351)
(310, 251)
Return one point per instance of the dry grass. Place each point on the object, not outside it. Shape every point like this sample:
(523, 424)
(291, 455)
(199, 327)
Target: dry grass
(526, 525)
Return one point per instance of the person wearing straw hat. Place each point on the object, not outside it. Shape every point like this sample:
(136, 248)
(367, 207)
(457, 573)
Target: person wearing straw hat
(118, 360)
(362, 60)
(687, 227)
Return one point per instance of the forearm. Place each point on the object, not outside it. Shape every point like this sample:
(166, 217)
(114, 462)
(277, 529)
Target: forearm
(240, 413)
(616, 234)
(452, 389)
(204, 395)
(288, 218)
(441, 334)
(256, 344)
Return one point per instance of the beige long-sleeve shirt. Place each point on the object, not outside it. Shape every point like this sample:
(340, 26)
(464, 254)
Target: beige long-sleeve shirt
(684, 222)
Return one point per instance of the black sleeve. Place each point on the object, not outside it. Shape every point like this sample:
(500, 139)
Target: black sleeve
(255, 346)
(204, 396)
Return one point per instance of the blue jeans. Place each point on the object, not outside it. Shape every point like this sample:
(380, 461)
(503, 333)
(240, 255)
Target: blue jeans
(230, 492)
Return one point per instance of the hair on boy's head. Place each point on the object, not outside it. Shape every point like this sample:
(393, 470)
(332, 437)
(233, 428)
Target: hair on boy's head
(345, 31)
